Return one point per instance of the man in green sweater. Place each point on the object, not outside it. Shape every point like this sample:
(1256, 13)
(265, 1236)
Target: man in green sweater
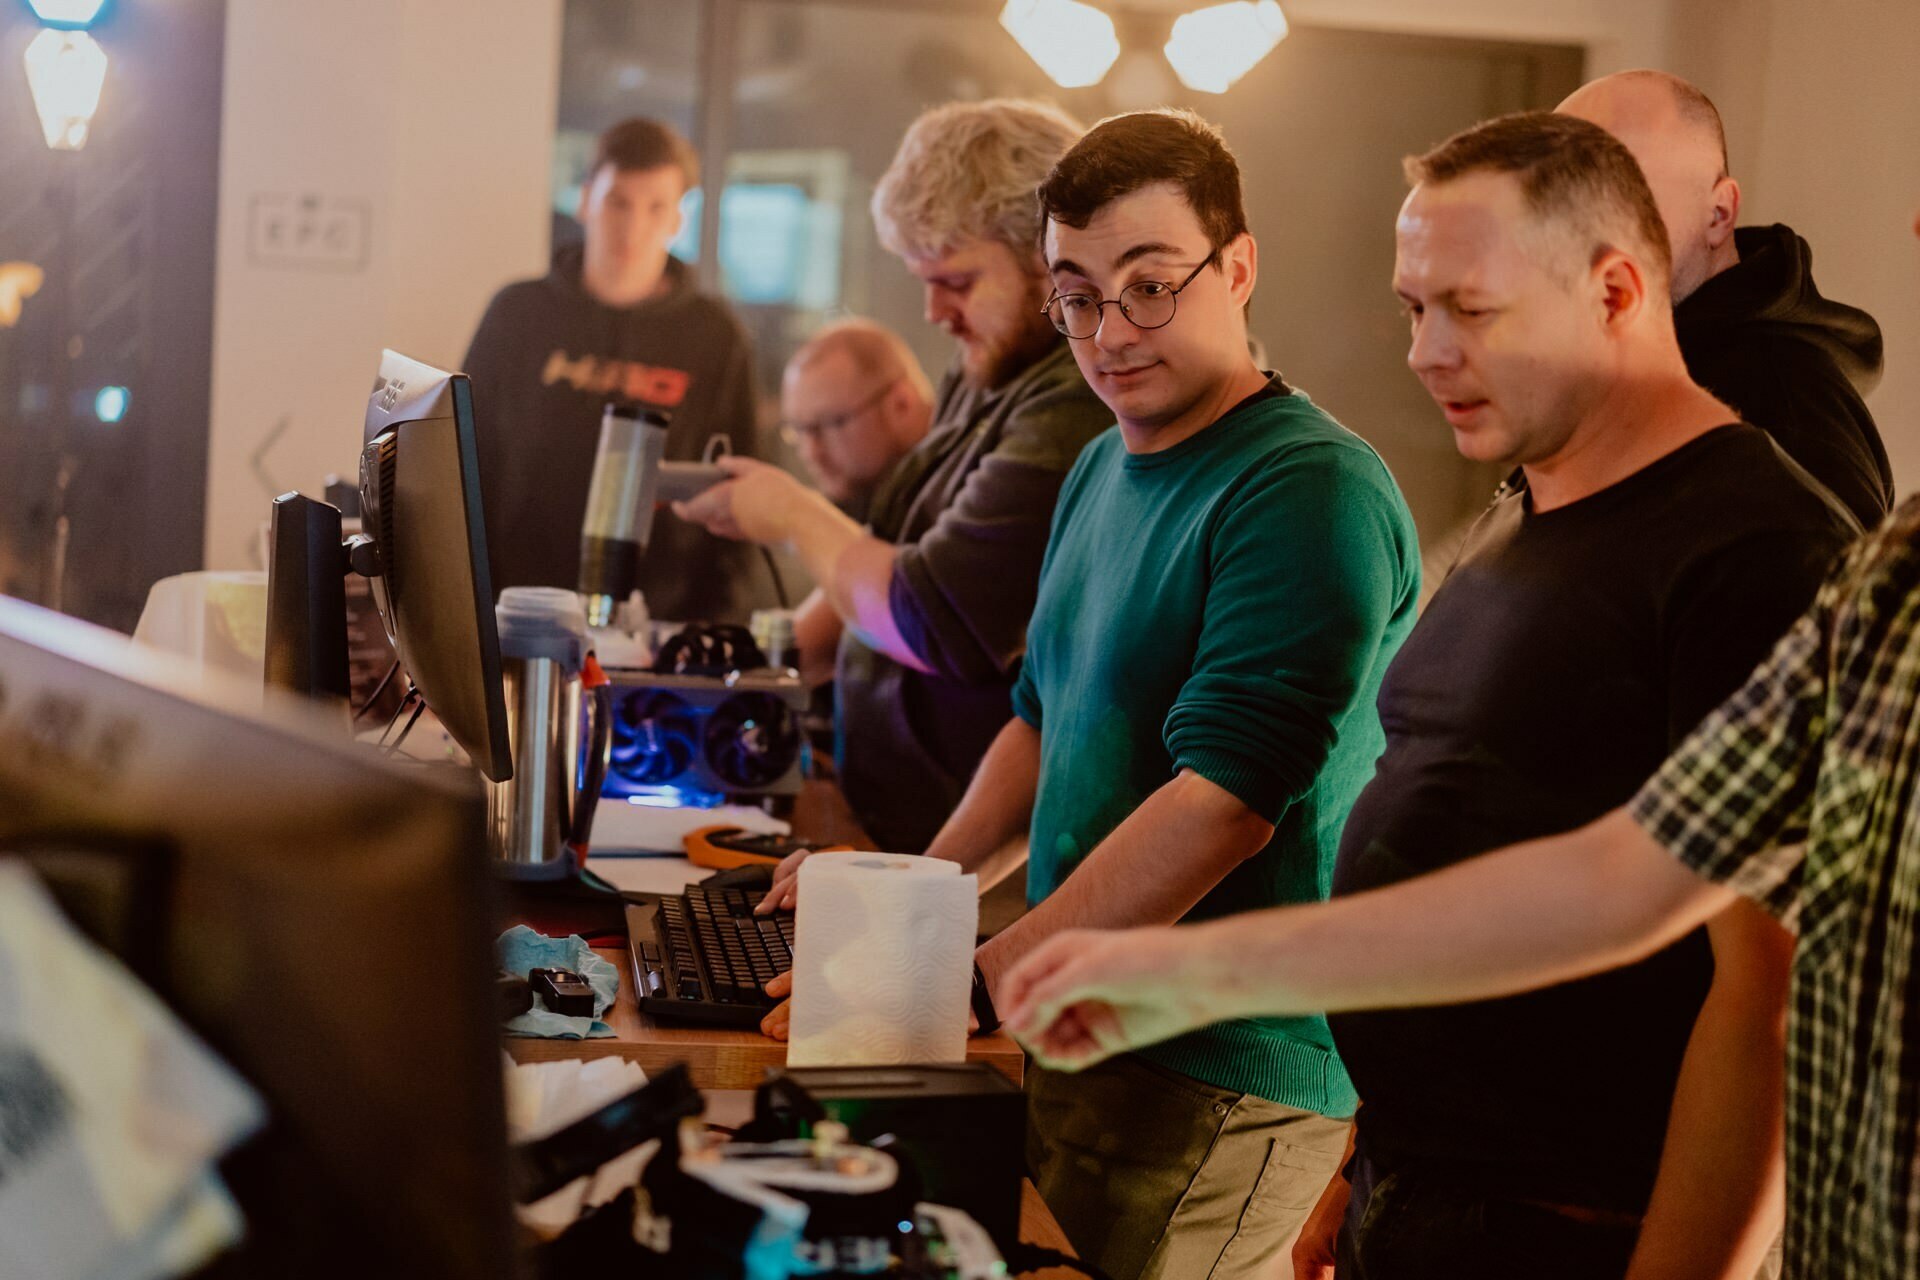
(1229, 572)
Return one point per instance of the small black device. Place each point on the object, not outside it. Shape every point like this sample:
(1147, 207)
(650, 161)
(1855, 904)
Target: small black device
(962, 1125)
(516, 996)
(563, 992)
(704, 956)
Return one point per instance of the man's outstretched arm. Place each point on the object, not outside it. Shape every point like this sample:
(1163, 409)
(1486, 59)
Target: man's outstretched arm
(1525, 917)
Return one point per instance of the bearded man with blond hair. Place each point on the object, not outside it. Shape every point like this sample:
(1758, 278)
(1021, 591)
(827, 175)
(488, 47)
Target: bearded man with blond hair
(924, 611)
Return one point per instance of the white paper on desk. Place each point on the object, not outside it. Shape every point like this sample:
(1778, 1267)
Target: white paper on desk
(114, 1113)
(882, 960)
(546, 1097)
(620, 828)
(655, 873)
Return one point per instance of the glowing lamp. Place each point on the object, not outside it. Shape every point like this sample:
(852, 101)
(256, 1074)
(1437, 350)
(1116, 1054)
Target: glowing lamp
(1073, 43)
(110, 404)
(65, 71)
(1213, 47)
(67, 13)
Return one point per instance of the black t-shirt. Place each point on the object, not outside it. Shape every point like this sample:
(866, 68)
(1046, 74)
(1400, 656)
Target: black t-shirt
(1565, 655)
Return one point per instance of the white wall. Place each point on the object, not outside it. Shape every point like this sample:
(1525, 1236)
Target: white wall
(1617, 33)
(1822, 104)
(433, 121)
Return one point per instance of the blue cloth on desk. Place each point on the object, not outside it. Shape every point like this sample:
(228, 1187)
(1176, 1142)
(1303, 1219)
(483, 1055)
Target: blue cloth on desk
(521, 950)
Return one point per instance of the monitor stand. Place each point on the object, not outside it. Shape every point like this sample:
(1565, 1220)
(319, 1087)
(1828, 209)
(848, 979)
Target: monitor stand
(556, 905)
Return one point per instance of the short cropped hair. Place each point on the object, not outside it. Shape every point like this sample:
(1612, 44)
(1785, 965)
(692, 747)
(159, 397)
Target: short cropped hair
(1124, 153)
(639, 144)
(968, 170)
(1575, 176)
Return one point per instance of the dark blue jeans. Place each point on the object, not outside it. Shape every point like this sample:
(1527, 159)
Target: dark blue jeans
(1425, 1227)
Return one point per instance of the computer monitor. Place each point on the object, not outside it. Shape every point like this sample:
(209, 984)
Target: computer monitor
(307, 600)
(321, 917)
(423, 544)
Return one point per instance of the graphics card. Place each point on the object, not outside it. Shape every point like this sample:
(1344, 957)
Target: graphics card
(699, 740)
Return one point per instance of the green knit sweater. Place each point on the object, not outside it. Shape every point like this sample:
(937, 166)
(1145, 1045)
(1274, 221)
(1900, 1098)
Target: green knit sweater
(1228, 606)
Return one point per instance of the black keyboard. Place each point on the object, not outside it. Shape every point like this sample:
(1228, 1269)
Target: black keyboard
(704, 956)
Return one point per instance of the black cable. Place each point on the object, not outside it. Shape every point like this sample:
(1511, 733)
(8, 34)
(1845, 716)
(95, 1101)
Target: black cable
(398, 711)
(419, 705)
(779, 584)
(1024, 1258)
(378, 689)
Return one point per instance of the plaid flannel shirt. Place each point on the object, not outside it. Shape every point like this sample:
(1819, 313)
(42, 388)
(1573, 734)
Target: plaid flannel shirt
(1799, 792)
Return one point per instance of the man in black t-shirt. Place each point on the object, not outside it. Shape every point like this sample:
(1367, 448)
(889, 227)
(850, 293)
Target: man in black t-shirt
(1655, 552)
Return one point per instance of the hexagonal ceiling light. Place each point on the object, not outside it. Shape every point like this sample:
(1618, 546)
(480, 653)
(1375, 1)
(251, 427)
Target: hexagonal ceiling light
(1074, 43)
(1213, 47)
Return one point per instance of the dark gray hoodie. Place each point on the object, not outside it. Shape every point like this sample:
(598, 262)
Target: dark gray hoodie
(970, 509)
(545, 360)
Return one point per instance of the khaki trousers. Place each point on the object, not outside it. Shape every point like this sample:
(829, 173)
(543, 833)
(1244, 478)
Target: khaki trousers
(1156, 1176)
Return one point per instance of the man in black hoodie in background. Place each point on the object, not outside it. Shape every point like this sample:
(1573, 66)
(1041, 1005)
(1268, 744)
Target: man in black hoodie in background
(1752, 327)
(616, 319)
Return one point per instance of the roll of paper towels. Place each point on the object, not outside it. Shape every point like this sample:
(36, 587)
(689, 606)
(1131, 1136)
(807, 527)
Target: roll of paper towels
(882, 960)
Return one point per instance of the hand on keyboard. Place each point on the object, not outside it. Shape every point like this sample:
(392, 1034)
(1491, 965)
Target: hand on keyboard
(786, 885)
(780, 1017)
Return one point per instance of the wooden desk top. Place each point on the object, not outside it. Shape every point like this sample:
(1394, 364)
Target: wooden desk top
(1037, 1226)
(718, 1058)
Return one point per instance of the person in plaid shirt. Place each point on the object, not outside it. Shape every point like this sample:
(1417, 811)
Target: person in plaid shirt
(1798, 793)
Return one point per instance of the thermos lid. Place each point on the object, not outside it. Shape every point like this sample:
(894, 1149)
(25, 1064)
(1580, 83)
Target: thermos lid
(652, 415)
(543, 622)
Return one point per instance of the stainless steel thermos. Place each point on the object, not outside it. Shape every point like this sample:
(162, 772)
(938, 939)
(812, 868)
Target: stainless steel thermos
(559, 723)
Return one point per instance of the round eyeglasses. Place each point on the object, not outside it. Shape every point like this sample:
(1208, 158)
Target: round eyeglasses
(1147, 304)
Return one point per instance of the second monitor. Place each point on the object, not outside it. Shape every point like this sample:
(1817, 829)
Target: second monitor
(425, 549)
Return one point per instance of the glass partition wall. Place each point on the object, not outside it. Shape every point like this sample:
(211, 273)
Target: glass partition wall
(800, 104)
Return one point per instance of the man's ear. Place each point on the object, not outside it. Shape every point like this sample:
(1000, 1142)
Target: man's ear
(1622, 286)
(1240, 264)
(1725, 214)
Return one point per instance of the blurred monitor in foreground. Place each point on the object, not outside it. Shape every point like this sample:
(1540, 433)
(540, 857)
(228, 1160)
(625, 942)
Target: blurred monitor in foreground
(320, 918)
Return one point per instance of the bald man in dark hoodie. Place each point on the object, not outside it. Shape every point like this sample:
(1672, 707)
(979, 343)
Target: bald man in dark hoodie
(1752, 327)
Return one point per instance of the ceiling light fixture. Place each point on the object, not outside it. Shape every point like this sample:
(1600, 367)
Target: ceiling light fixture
(76, 14)
(65, 71)
(1213, 47)
(1073, 43)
